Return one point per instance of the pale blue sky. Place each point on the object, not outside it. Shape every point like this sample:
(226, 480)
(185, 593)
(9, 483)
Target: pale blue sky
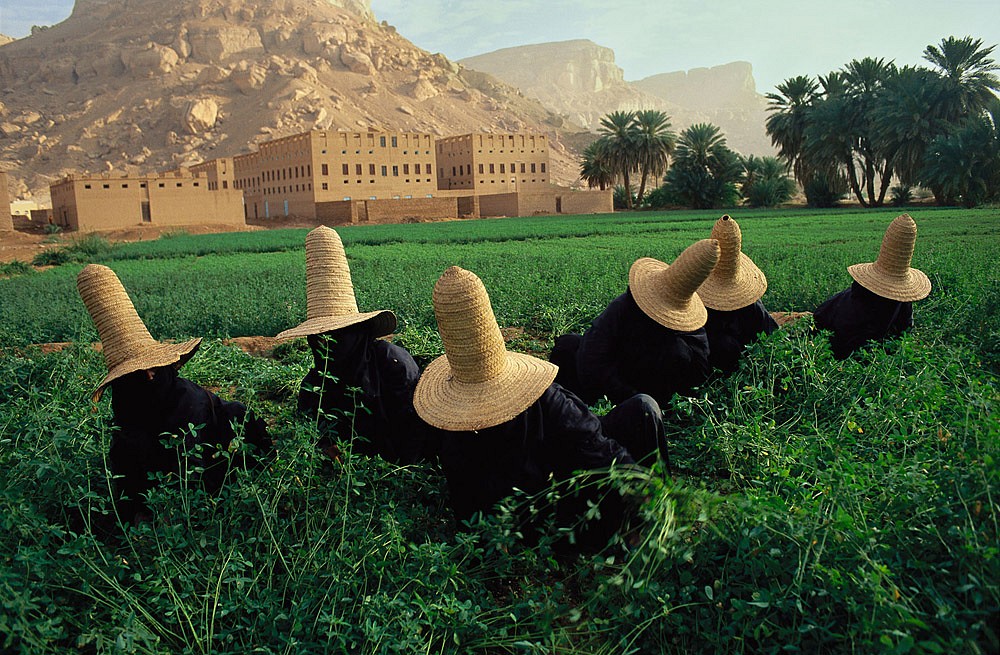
(781, 38)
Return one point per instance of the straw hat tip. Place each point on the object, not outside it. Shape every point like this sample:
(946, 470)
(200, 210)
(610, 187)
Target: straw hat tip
(725, 217)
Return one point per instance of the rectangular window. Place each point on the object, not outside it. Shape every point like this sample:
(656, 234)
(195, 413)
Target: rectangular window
(395, 171)
(394, 144)
(106, 186)
(502, 166)
(357, 169)
(345, 169)
(480, 169)
(324, 169)
(125, 186)
(492, 169)
(522, 168)
(452, 171)
(371, 169)
(384, 171)
(86, 186)
(532, 167)
(381, 141)
(406, 169)
(225, 184)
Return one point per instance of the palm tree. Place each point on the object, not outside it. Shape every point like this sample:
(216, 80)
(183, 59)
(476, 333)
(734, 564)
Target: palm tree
(787, 123)
(618, 136)
(654, 142)
(705, 170)
(967, 66)
(909, 115)
(965, 163)
(595, 168)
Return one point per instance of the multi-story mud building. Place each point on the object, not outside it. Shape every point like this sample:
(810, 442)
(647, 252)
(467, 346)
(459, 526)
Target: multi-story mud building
(493, 163)
(297, 175)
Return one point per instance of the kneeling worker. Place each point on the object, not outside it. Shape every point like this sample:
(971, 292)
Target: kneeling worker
(504, 423)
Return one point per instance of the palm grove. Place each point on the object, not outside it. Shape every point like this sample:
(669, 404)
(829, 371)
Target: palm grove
(855, 131)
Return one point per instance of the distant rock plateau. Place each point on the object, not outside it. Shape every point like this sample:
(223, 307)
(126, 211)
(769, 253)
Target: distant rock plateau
(580, 80)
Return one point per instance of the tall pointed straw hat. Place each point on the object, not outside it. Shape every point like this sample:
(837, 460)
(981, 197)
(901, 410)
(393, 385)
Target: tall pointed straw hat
(330, 302)
(890, 276)
(735, 281)
(127, 344)
(666, 293)
(477, 383)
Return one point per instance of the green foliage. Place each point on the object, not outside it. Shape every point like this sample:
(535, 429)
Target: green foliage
(825, 191)
(15, 268)
(870, 122)
(623, 199)
(85, 249)
(705, 171)
(902, 195)
(766, 182)
(964, 164)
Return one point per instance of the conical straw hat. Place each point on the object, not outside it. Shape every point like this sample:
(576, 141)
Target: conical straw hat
(666, 293)
(127, 344)
(890, 276)
(735, 281)
(477, 383)
(330, 302)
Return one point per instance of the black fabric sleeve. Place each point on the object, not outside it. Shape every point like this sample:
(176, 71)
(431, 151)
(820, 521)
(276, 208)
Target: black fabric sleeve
(598, 363)
(573, 435)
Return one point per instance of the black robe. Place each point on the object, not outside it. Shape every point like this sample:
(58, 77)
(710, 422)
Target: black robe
(625, 352)
(857, 316)
(730, 332)
(202, 426)
(364, 387)
(554, 437)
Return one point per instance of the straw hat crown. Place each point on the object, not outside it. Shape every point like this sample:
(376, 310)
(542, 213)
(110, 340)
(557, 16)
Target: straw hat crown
(891, 276)
(477, 383)
(735, 281)
(126, 343)
(666, 293)
(330, 301)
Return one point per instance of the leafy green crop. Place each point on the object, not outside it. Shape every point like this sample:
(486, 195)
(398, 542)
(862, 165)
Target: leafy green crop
(817, 505)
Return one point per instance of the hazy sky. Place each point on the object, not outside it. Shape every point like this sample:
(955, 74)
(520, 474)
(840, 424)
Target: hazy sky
(781, 38)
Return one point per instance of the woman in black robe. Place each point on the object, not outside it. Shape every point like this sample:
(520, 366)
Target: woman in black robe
(648, 340)
(731, 294)
(505, 425)
(360, 388)
(878, 304)
(166, 426)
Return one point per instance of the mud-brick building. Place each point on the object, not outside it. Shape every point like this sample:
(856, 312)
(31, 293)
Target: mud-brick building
(300, 174)
(6, 220)
(89, 203)
(219, 172)
(493, 163)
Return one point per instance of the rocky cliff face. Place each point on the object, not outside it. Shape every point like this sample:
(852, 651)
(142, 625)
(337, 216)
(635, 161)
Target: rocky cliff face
(139, 85)
(581, 80)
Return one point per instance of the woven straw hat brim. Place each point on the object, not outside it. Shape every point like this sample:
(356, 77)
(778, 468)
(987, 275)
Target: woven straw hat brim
(680, 316)
(156, 355)
(726, 294)
(914, 285)
(383, 323)
(446, 403)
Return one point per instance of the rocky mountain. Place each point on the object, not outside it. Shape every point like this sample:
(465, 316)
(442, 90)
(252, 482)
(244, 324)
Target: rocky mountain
(580, 80)
(141, 85)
